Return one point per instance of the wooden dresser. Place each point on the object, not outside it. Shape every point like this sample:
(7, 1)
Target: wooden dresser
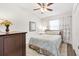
(13, 44)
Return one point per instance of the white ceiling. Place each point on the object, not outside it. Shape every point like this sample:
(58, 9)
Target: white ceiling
(58, 8)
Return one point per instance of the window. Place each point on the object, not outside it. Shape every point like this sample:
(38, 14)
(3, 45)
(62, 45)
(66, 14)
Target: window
(54, 25)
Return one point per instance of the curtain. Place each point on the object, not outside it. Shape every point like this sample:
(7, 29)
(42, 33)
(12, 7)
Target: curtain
(65, 26)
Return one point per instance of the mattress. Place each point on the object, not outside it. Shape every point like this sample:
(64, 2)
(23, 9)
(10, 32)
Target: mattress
(49, 43)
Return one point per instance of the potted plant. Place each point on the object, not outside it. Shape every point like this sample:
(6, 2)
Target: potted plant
(6, 23)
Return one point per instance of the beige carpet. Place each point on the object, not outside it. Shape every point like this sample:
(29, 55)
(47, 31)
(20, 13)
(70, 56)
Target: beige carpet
(30, 52)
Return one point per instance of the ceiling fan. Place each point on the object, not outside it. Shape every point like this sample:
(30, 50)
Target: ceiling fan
(44, 7)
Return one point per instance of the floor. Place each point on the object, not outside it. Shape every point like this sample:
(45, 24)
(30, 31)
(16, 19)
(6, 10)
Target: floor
(30, 52)
(70, 51)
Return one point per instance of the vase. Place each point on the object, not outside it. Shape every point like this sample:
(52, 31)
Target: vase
(7, 28)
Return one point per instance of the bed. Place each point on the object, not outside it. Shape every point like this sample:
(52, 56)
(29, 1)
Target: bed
(46, 44)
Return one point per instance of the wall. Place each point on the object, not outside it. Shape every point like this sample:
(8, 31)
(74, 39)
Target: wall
(34, 19)
(65, 24)
(19, 17)
(75, 28)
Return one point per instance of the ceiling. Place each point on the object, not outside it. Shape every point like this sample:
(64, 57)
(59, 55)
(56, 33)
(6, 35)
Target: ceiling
(58, 8)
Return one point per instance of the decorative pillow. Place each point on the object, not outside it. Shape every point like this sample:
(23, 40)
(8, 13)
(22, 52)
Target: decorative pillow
(53, 32)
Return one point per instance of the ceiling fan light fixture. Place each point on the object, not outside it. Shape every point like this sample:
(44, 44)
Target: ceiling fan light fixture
(44, 7)
(42, 10)
(45, 10)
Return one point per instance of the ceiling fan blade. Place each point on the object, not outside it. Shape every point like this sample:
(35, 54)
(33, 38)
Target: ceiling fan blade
(49, 4)
(49, 9)
(36, 9)
(39, 4)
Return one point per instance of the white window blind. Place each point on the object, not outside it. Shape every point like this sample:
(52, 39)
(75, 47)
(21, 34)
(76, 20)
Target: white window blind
(54, 25)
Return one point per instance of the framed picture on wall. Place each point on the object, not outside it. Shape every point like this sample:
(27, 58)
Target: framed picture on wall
(32, 26)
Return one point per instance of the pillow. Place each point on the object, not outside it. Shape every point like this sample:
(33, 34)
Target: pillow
(53, 32)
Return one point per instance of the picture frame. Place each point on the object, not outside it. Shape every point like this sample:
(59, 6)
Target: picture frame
(32, 26)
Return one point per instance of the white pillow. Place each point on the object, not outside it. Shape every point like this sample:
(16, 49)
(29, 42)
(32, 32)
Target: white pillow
(53, 32)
